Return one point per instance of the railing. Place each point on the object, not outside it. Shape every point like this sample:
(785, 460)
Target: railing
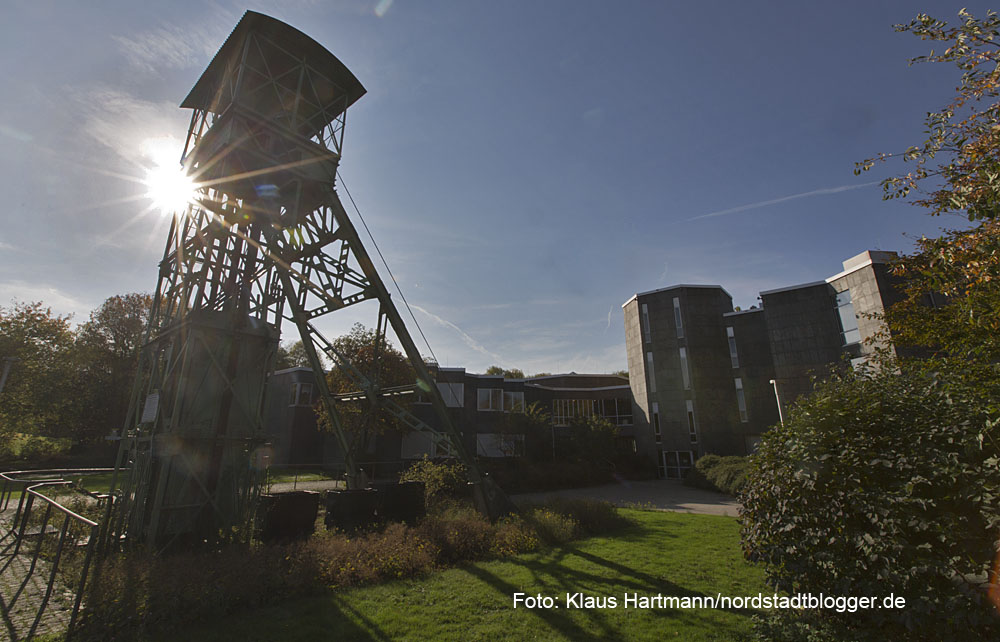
(54, 535)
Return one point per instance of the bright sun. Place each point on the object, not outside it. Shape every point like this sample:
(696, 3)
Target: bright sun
(167, 186)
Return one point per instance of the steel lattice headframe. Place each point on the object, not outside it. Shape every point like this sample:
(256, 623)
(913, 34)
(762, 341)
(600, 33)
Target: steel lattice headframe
(266, 239)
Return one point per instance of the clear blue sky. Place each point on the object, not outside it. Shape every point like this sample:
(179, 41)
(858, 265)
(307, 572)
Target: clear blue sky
(524, 166)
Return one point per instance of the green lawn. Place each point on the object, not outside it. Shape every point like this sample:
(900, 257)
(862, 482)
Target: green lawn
(668, 553)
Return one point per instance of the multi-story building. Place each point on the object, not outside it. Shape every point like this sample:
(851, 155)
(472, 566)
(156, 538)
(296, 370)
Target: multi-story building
(479, 406)
(706, 378)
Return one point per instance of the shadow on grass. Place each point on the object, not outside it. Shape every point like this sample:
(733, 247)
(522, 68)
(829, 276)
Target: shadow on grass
(568, 569)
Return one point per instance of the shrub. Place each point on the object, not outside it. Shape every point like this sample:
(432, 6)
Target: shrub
(552, 527)
(512, 535)
(721, 474)
(592, 517)
(459, 537)
(885, 481)
(441, 479)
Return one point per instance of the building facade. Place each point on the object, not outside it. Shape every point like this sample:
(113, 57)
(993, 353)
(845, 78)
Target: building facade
(706, 378)
(479, 405)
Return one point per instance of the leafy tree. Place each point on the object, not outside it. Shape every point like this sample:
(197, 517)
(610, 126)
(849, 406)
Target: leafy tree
(621, 373)
(36, 399)
(507, 373)
(291, 355)
(105, 354)
(888, 479)
(951, 303)
(592, 440)
(960, 159)
(364, 418)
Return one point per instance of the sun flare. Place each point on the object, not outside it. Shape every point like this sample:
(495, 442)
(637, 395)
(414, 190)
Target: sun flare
(167, 186)
(169, 189)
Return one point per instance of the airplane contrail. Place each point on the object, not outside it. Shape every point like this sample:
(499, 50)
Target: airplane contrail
(774, 201)
(469, 341)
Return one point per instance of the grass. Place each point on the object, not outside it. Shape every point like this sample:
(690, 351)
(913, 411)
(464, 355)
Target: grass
(664, 553)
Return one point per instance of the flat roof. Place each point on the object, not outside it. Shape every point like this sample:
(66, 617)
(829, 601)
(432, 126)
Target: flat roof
(293, 369)
(538, 385)
(793, 287)
(676, 287)
(735, 312)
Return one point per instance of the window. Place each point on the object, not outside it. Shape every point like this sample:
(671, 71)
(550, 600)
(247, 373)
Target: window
(565, 410)
(489, 399)
(732, 348)
(617, 411)
(645, 324)
(452, 393)
(496, 444)
(741, 400)
(685, 373)
(692, 424)
(301, 394)
(678, 322)
(513, 401)
(415, 444)
(649, 369)
(849, 332)
(656, 422)
(677, 463)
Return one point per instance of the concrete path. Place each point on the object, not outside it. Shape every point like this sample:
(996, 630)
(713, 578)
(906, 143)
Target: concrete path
(324, 484)
(662, 494)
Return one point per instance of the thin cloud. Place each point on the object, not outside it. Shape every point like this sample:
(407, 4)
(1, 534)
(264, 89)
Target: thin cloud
(775, 201)
(609, 319)
(123, 123)
(469, 341)
(175, 46)
(60, 301)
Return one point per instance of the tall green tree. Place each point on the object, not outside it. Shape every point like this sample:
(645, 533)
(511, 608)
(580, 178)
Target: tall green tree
(106, 353)
(37, 398)
(886, 480)
(384, 365)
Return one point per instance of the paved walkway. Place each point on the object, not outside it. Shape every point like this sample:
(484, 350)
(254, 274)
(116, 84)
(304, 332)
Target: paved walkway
(18, 617)
(324, 484)
(661, 494)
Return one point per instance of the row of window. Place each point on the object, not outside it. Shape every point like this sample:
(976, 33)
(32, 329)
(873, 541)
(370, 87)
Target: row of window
(616, 411)
(499, 400)
(685, 369)
(678, 321)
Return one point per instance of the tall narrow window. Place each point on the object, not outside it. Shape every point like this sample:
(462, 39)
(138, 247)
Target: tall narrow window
(741, 400)
(652, 375)
(677, 318)
(849, 332)
(692, 423)
(685, 373)
(645, 324)
(733, 355)
(656, 422)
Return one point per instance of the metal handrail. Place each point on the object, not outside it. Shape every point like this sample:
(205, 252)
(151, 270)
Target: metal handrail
(30, 493)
